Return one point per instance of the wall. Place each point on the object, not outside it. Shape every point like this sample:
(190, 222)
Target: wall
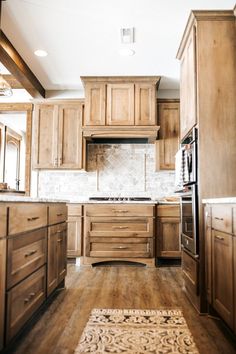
(113, 170)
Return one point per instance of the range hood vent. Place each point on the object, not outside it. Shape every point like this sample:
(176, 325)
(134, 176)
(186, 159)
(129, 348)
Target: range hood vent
(121, 135)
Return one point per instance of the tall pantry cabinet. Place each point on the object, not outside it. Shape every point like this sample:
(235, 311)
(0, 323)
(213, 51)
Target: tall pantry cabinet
(207, 101)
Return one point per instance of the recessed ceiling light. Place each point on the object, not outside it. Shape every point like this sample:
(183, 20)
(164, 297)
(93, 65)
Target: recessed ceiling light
(40, 53)
(126, 52)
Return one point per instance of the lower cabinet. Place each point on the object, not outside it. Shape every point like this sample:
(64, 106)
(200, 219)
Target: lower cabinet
(168, 232)
(222, 275)
(57, 245)
(23, 300)
(2, 288)
(220, 253)
(74, 231)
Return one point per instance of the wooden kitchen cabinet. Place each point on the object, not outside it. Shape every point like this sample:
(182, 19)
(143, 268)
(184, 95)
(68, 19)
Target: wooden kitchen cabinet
(168, 231)
(57, 245)
(221, 260)
(58, 136)
(188, 85)
(222, 275)
(74, 231)
(120, 101)
(119, 232)
(168, 143)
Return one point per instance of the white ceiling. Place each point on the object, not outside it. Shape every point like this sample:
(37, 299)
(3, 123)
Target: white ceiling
(82, 37)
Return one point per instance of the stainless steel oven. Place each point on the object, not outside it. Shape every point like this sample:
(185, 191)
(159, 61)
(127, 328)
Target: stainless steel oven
(189, 220)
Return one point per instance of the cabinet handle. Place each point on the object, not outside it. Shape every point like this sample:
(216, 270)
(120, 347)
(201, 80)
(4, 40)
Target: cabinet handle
(55, 161)
(120, 248)
(219, 238)
(59, 214)
(120, 211)
(221, 219)
(120, 227)
(60, 240)
(60, 231)
(33, 218)
(26, 300)
(30, 253)
(31, 295)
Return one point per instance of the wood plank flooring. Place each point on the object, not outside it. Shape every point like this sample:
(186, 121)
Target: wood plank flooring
(59, 328)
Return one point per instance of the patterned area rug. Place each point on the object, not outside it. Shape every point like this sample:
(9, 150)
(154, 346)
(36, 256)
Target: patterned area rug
(136, 332)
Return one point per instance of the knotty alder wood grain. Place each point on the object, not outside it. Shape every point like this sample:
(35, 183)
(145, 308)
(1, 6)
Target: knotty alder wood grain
(60, 327)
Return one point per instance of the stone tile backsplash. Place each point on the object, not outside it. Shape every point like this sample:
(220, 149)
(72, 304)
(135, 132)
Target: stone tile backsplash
(113, 170)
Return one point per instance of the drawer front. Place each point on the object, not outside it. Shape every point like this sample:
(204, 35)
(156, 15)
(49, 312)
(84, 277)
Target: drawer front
(117, 248)
(3, 221)
(23, 300)
(121, 227)
(57, 213)
(26, 216)
(74, 209)
(119, 210)
(25, 254)
(190, 272)
(222, 218)
(168, 210)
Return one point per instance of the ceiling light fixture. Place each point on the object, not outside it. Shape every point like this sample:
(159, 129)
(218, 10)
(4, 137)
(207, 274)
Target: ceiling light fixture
(40, 53)
(5, 88)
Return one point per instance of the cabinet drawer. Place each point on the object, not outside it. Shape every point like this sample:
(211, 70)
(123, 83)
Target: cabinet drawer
(57, 213)
(119, 210)
(190, 272)
(121, 227)
(74, 210)
(222, 218)
(23, 300)
(26, 216)
(168, 210)
(3, 221)
(25, 254)
(117, 248)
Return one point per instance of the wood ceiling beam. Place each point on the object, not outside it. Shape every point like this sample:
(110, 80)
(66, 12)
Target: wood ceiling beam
(12, 60)
(12, 81)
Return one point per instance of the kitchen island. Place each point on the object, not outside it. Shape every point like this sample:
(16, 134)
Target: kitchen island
(33, 246)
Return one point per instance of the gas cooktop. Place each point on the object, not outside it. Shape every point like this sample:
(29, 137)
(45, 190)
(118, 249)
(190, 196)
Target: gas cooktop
(121, 199)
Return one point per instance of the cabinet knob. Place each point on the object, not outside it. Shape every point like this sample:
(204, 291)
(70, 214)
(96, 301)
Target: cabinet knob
(221, 219)
(219, 238)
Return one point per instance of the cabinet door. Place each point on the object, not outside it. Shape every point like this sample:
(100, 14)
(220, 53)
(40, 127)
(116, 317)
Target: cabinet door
(188, 116)
(61, 251)
(74, 241)
(52, 271)
(168, 237)
(45, 136)
(168, 143)
(2, 288)
(120, 104)
(222, 275)
(145, 104)
(95, 95)
(70, 136)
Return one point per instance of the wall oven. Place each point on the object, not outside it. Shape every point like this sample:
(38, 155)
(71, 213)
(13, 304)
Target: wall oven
(186, 183)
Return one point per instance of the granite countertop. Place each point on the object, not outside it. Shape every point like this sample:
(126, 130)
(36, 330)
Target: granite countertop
(17, 199)
(227, 200)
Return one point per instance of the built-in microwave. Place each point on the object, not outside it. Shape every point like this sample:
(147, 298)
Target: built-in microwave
(186, 162)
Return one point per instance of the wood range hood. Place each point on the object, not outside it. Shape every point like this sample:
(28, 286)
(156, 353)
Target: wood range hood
(120, 107)
(121, 134)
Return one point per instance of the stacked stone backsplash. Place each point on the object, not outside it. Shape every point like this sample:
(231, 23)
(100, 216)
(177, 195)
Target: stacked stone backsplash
(113, 170)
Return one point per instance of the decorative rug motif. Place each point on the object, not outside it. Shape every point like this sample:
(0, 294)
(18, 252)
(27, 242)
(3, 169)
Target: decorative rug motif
(136, 332)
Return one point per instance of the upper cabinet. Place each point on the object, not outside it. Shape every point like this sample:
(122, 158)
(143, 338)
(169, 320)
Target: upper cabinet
(168, 143)
(58, 136)
(188, 85)
(120, 101)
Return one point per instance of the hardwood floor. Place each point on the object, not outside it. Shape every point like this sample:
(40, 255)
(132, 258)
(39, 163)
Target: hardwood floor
(59, 328)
